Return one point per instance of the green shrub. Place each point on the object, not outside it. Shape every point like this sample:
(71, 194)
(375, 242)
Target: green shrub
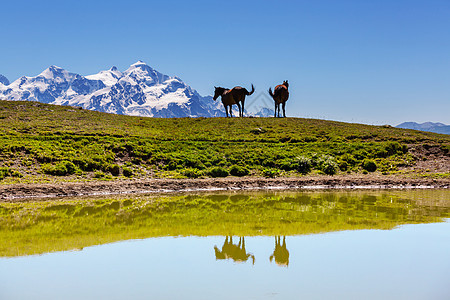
(136, 161)
(218, 172)
(4, 172)
(303, 164)
(391, 148)
(327, 164)
(172, 165)
(70, 166)
(89, 164)
(192, 173)
(62, 168)
(99, 174)
(239, 171)
(349, 159)
(14, 173)
(360, 154)
(343, 165)
(369, 165)
(270, 173)
(114, 170)
(193, 163)
(127, 172)
(286, 165)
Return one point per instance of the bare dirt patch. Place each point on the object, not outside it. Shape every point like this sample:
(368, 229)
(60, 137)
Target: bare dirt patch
(432, 158)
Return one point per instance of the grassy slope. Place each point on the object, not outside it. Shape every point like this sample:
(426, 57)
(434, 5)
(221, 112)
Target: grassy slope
(40, 142)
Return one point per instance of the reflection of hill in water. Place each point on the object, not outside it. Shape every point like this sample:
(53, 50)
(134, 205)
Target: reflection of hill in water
(47, 226)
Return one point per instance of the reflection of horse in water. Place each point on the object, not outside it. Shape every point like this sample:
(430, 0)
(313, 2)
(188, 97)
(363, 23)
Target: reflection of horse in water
(280, 253)
(234, 252)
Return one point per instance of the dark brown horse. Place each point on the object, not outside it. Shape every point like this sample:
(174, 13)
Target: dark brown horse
(280, 96)
(234, 96)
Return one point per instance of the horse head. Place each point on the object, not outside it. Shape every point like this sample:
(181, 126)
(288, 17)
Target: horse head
(218, 91)
(285, 83)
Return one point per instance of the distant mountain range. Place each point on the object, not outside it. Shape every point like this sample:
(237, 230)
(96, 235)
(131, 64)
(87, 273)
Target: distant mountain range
(138, 91)
(428, 126)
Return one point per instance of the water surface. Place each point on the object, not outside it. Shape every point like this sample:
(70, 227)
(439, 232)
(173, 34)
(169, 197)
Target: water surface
(333, 245)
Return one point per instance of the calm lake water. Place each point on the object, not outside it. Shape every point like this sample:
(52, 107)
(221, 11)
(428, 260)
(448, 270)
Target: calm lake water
(346, 245)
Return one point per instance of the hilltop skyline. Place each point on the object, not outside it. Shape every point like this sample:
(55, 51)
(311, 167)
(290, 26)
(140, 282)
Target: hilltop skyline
(354, 61)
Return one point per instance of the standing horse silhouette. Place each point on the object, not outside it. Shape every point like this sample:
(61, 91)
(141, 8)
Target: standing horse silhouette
(234, 96)
(280, 96)
(234, 252)
(281, 254)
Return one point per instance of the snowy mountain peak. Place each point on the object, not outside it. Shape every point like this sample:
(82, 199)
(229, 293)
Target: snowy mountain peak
(141, 72)
(54, 72)
(139, 62)
(4, 80)
(139, 65)
(109, 78)
(138, 91)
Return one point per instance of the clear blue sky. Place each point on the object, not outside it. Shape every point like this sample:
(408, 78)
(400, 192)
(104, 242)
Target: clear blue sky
(365, 61)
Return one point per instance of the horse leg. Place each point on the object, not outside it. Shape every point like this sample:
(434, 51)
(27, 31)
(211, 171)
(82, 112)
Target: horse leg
(243, 102)
(231, 110)
(284, 109)
(275, 110)
(239, 106)
(226, 110)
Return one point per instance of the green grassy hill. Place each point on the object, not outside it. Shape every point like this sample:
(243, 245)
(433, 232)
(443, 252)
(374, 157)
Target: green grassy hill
(40, 142)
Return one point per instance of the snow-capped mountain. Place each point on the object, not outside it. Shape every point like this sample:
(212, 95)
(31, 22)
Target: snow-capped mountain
(4, 80)
(138, 91)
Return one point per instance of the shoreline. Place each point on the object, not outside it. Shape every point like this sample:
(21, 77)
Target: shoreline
(49, 191)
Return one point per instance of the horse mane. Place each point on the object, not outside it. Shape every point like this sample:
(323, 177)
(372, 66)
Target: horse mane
(221, 89)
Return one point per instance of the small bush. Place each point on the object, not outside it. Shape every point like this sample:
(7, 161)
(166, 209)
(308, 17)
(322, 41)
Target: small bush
(4, 172)
(303, 164)
(136, 161)
(172, 165)
(218, 172)
(327, 164)
(369, 165)
(239, 171)
(70, 166)
(192, 173)
(343, 166)
(270, 173)
(99, 174)
(88, 164)
(14, 173)
(62, 168)
(286, 165)
(127, 172)
(349, 159)
(193, 163)
(114, 170)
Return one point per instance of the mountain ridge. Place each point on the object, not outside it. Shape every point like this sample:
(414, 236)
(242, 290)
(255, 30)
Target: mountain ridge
(138, 91)
(4, 80)
(435, 127)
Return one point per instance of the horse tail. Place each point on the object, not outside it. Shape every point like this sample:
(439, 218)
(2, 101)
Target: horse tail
(252, 91)
(270, 92)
